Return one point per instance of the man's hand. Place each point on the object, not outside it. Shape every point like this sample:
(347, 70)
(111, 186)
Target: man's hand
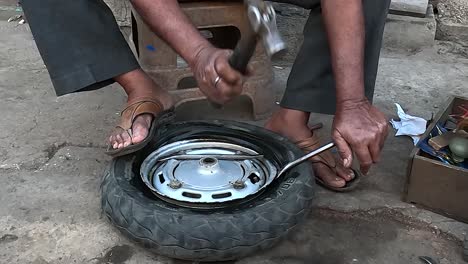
(358, 126)
(168, 21)
(361, 128)
(211, 63)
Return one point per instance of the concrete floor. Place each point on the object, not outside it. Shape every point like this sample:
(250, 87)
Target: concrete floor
(52, 159)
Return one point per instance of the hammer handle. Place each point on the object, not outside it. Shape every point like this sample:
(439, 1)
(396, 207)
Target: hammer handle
(241, 56)
(243, 53)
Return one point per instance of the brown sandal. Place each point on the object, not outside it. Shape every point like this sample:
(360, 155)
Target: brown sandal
(144, 105)
(326, 158)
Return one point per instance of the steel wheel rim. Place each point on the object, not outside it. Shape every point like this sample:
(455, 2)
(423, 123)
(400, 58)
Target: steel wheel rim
(211, 178)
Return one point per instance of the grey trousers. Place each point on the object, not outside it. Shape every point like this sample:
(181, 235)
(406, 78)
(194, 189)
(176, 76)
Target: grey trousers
(311, 84)
(83, 49)
(79, 42)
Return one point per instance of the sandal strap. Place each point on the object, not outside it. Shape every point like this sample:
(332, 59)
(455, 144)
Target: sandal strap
(144, 105)
(312, 143)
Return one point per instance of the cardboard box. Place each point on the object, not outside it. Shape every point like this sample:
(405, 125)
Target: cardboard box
(434, 185)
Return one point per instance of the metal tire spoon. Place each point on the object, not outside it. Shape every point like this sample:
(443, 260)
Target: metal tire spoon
(304, 158)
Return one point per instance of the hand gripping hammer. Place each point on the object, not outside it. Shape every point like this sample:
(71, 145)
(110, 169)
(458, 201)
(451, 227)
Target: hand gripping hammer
(262, 20)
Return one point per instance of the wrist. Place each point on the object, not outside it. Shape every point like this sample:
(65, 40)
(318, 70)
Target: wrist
(351, 99)
(352, 103)
(350, 91)
(197, 52)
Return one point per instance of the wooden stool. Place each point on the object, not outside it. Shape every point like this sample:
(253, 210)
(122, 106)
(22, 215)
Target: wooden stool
(223, 23)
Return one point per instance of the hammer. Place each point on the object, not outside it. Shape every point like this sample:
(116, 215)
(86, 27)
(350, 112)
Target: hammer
(262, 25)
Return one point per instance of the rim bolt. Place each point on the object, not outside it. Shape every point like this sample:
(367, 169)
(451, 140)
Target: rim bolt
(175, 184)
(239, 185)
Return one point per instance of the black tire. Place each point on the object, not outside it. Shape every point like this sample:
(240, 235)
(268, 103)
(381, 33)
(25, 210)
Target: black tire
(465, 249)
(215, 235)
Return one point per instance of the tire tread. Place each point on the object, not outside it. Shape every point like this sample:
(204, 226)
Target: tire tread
(172, 234)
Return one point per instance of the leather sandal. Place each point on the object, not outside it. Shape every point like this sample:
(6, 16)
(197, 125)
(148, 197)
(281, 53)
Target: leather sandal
(326, 158)
(144, 105)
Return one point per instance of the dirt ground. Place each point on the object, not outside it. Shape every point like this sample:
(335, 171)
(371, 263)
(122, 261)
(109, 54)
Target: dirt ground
(52, 160)
(455, 11)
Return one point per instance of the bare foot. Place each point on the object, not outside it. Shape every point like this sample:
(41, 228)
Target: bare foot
(140, 128)
(137, 85)
(293, 125)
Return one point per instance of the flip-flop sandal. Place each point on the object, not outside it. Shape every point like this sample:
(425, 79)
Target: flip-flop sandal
(145, 105)
(326, 158)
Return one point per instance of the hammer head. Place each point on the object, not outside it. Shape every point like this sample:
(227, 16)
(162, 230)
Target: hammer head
(262, 18)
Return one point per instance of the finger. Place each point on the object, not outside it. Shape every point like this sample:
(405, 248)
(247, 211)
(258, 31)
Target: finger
(376, 145)
(209, 87)
(364, 157)
(382, 125)
(383, 130)
(384, 135)
(344, 149)
(226, 72)
(375, 149)
(228, 91)
(207, 91)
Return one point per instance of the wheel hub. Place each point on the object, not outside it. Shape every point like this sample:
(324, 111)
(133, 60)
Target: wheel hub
(202, 171)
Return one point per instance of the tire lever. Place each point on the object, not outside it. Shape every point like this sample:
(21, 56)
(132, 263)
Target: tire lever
(304, 158)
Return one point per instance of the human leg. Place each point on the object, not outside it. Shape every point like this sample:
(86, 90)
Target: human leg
(83, 49)
(311, 86)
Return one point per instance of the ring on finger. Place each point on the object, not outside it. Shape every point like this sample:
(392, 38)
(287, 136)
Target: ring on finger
(217, 80)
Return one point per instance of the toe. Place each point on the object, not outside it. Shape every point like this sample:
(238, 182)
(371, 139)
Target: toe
(113, 141)
(120, 141)
(328, 176)
(120, 138)
(345, 173)
(127, 140)
(338, 170)
(140, 128)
